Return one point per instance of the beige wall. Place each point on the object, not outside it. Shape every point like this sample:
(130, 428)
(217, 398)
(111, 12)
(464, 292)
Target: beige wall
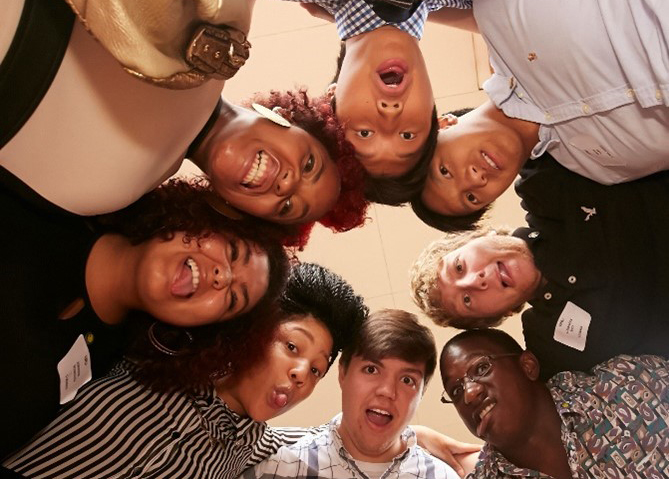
(291, 48)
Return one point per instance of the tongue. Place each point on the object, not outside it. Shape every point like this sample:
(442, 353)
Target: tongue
(391, 78)
(183, 284)
(378, 419)
(280, 399)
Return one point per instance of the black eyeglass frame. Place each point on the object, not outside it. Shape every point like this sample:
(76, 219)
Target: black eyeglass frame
(446, 399)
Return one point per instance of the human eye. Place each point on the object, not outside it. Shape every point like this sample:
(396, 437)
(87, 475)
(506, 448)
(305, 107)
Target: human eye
(234, 251)
(407, 135)
(467, 300)
(233, 300)
(287, 207)
(365, 133)
(456, 392)
(316, 372)
(444, 172)
(458, 266)
(482, 367)
(370, 369)
(309, 165)
(409, 381)
(472, 199)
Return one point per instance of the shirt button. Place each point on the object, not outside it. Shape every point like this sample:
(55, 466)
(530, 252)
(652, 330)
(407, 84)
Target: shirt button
(630, 93)
(176, 434)
(533, 234)
(658, 94)
(586, 108)
(136, 471)
(548, 296)
(547, 116)
(89, 338)
(520, 94)
(571, 279)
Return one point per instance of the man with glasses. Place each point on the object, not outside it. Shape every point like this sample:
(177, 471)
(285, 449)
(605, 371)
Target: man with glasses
(611, 422)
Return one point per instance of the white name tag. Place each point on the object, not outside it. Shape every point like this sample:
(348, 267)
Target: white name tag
(74, 370)
(572, 326)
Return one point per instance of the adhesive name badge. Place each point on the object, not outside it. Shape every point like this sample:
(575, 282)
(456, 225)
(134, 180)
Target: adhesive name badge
(572, 326)
(74, 370)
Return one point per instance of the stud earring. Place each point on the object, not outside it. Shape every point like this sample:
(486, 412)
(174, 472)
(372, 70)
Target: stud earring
(270, 115)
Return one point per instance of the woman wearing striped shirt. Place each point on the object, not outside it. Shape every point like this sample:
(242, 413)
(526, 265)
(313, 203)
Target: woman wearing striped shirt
(119, 427)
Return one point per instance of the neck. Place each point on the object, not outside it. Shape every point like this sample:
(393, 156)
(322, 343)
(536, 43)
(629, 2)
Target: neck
(201, 153)
(542, 450)
(110, 277)
(527, 131)
(226, 389)
(381, 453)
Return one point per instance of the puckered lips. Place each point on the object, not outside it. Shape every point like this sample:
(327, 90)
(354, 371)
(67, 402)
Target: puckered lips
(393, 77)
(259, 173)
(379, 417)
(280, 397)
(505, 277)
(186, 279)
(482, 416)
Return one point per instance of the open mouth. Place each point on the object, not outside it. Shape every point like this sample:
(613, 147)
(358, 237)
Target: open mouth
(489, 161)
(379, 417)
(258, 171)
(187, 279)
(484, 418)
(504, 275)
(392, 77)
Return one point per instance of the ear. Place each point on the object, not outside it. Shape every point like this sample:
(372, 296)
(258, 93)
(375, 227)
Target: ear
(330, 90)
(447, 120)
(530, 365)
(342, 373)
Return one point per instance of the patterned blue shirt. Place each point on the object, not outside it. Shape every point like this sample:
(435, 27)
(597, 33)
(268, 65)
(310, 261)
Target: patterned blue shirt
(322, 455)
(615, 422)
(354, 17)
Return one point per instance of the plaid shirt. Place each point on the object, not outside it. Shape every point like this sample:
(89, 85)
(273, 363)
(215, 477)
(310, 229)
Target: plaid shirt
(614, 422)
(321, 455)
(354, 17)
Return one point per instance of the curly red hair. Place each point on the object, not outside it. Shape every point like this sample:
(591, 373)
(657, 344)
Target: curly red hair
(317, 117)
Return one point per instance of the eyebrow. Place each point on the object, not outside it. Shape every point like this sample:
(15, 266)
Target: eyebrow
(308, 334)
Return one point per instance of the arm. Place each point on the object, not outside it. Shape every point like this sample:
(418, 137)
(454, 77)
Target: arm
(455, 17)
(447, 449)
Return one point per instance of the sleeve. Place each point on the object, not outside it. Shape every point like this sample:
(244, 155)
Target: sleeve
(275, 437)
(433, 5)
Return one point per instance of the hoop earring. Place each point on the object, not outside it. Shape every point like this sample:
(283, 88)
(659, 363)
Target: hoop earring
(160, 346)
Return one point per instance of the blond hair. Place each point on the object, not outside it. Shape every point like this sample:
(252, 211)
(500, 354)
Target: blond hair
(423, 274)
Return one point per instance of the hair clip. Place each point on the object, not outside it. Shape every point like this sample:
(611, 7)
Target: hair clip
(271, 115)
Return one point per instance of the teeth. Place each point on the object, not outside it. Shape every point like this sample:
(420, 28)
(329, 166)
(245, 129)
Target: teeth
(489, 161)
(257, 170)
(380, 411)
(486, 410)
(195, 273)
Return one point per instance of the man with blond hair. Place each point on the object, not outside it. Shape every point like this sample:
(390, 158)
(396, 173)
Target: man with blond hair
(593, 265)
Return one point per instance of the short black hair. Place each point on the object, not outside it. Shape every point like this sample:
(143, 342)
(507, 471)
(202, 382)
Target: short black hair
(497, 336)
(446, 223)
(340, 60)
(398, 191)
(315, 290)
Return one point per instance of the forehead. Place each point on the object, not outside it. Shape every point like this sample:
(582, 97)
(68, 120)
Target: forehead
(393, 364)
(309, 328)
(462, 353)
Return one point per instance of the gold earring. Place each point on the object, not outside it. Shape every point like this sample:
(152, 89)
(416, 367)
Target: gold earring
(270, 115)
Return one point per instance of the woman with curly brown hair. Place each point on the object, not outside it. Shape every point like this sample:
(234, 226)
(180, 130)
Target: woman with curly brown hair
(119, 427)
(167, 275)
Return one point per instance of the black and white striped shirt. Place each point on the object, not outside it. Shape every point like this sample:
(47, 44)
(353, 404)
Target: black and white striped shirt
(118, 428)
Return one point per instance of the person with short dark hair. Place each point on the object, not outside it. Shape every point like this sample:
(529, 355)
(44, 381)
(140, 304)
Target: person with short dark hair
(609, 422)
(592, 264)
(119, 426)
(382, 375)
(382, 93)
(591, 93)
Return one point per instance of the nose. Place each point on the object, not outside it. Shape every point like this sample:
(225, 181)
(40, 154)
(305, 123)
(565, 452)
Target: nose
(222, 276)
(472, 390)
(390, 108)
(387, 388)
(476, 176)
(286, 182)
(475, 280)
(298, 372)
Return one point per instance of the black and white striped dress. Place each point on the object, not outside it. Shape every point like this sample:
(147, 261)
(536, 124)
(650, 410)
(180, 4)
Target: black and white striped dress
(117, 428)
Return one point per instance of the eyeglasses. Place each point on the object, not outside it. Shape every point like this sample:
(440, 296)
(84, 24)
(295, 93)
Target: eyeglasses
(481, 368)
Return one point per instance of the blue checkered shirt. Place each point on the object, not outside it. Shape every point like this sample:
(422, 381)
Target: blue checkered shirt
(322, 455)
(354, 17)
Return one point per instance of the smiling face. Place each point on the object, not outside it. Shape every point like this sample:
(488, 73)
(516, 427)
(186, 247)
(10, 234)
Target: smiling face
(280, 174)
(384, 99)
(379, 398)
(495, 406)
(476, 160)
(296, 360)
(487, 277)
(197, 282)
